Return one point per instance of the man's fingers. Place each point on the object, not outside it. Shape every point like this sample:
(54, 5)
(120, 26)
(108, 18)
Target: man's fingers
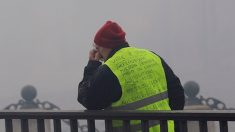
(97, 56)
(92, 54)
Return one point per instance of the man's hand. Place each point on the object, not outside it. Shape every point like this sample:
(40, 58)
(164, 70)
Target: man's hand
(94, 55)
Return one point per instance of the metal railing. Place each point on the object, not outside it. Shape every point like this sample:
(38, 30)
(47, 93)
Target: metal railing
(222, 116)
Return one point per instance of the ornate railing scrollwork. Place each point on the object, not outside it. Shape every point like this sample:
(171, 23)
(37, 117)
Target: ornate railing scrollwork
(191, 90)
(29, 94)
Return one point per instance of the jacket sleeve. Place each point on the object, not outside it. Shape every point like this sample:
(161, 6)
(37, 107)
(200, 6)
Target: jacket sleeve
(175, 89)
(99, 87)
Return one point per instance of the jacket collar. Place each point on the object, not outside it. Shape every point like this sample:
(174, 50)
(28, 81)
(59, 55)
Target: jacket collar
(116, 49)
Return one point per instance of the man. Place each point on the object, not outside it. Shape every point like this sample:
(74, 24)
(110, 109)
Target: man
(128, 79)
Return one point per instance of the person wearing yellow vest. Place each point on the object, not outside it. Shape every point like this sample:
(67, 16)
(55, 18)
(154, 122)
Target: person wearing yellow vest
(120, 77)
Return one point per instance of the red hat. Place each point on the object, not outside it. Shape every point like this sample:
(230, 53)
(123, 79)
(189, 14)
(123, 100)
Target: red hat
(110, 35)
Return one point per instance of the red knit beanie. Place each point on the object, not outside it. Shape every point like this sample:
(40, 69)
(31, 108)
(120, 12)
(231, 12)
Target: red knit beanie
(110, 35)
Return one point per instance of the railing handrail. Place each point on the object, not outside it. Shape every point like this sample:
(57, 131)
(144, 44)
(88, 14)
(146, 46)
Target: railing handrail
(209, 115)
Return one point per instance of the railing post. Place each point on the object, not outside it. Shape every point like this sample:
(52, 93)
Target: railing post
(57, 125)
(24, 125)
(126, 126)
(73, 125)
(163, 126)
(145, 125)
(8, 125)
(223, 126)
(203, 126)
(183, 126)
(91, 125)
(41, 125)
(108, 126)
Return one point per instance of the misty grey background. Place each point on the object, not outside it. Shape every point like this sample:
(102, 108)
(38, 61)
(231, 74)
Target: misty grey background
(45, 43)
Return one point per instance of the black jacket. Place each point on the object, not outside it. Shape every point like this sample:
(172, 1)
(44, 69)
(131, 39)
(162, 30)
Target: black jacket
(100, 87)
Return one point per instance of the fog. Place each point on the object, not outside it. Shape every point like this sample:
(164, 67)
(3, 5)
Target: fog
(46, 43)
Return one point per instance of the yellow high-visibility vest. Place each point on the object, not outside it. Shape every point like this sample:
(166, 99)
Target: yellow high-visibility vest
(143, 82)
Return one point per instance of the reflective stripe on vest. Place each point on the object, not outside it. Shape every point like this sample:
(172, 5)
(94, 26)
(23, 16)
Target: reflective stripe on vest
(142, 103)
